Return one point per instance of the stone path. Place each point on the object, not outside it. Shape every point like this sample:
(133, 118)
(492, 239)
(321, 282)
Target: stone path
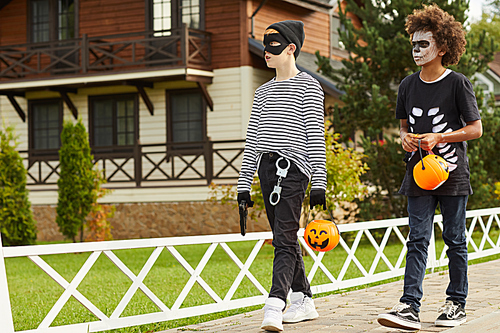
(357, 311)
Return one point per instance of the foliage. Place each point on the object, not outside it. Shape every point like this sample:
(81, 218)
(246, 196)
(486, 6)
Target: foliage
(387, 169)
(379, 58)
(76, 180)
(489, 24)
(344, 169)
(17, 225)
(484, 161)
(97, 224)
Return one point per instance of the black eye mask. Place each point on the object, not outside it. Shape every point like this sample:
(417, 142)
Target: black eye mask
(276, 50)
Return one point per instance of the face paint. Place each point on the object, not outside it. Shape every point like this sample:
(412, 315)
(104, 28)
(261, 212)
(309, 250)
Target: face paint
(276, 50)
(424, 47)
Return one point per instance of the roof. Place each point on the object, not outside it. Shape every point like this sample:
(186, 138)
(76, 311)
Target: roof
(305, 63)
(495, 64)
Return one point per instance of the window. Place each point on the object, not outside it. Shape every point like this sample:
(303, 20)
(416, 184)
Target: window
(40, 19)
(190, 13)
(335, 36)
(113, 120)
(186, 117)
(168, 14)
(52, 20)
(162, 17)
(45, 122)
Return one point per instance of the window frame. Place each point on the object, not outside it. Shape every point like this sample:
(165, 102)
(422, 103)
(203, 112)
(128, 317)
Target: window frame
(52, 153)
(176, 19)
(53, 22)
(185, 145)
(114, 147)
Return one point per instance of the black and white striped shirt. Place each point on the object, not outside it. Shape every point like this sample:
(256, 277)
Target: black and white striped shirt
(288, 118)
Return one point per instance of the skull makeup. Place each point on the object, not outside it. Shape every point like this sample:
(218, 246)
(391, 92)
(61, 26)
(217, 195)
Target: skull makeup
(424, 47)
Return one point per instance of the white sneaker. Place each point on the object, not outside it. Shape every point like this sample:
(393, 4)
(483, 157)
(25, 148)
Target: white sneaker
(273, 315)
(302, 308)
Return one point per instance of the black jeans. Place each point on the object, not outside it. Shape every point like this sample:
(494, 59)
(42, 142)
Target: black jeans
(288, 265)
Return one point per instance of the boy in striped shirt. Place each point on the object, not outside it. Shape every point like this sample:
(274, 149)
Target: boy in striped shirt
(285, 143)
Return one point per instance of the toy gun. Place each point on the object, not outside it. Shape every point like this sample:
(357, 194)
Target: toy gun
(243, 217)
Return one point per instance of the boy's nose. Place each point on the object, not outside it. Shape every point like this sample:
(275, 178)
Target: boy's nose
(416, 48)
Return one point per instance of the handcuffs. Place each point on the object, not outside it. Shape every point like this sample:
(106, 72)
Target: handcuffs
(277, 188)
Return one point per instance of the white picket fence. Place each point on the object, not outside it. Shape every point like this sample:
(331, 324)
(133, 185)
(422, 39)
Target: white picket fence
(481, 221)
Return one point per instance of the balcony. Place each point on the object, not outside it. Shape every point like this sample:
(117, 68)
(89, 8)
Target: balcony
(151, 165)
(176, 48)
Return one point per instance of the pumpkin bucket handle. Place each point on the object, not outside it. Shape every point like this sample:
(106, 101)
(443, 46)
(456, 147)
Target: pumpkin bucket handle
(327, 209)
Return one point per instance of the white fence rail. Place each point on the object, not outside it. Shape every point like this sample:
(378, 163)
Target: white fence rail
(482, 224)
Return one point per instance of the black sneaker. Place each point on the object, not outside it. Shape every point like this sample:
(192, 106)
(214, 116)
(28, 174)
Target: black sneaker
(451, 315)
(402, 316)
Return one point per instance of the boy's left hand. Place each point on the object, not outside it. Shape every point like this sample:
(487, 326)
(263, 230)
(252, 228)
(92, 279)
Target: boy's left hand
(429, 140)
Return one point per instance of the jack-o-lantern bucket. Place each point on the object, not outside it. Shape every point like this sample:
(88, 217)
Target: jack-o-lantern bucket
(322, 235)
(431, 171)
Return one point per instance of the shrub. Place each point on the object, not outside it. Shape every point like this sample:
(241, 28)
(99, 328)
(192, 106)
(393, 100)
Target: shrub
(76, 180)
(16, 218)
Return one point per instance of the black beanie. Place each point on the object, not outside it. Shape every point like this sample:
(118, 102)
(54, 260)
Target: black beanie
(293, 31)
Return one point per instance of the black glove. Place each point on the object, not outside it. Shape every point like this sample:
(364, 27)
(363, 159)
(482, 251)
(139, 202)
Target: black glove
(245, 196)
(317, 198)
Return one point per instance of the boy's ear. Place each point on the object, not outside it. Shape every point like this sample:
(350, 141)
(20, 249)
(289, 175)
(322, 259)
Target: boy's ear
(441, 53)
(291, 49)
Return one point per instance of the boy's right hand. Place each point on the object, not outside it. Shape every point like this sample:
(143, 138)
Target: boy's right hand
(410, 142)
(245, 196)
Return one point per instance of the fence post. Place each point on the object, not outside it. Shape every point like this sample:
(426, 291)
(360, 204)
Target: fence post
(6, 322)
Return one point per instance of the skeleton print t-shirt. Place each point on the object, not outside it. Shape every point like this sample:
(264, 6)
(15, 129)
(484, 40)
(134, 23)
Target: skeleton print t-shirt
(441, 106)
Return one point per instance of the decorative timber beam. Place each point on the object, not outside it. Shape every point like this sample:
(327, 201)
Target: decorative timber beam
(69, 103)
(16, 106)
(146, 99)
(206, 95)
(140, 85)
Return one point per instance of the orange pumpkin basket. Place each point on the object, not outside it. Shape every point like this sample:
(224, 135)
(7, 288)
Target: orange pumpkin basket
(432, 172)
(322, 235)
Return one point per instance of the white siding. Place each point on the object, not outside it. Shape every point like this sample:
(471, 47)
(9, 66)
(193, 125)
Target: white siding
(232, 93)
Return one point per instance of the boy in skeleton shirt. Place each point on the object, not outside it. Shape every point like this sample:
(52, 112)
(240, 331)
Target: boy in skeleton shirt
(285, 142)
(436, 106)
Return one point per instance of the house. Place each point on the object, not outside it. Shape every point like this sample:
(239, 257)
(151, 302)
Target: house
(165, 89)
(490, 80)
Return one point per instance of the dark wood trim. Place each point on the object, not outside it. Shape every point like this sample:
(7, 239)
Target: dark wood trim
(63, 91)
(146, 99)
(17, 107)
(206, 95)
(69, 103)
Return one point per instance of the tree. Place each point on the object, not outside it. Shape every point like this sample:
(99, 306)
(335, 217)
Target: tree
(16, 218)
(379, 58)
(76, 180)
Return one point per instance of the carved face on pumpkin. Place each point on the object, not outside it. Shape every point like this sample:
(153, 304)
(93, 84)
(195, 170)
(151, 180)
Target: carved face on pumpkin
(321, 235)
(318, 238)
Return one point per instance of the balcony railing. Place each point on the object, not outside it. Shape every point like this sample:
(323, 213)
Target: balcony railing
(183, 47)
(158, 165)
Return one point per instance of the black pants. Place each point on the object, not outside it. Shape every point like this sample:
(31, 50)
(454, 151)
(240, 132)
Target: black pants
(288, 265)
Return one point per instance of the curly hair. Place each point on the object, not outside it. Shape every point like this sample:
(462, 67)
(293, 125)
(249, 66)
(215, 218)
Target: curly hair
(448, 33)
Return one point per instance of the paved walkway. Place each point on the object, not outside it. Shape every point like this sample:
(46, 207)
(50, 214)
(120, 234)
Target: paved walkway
(357, 311)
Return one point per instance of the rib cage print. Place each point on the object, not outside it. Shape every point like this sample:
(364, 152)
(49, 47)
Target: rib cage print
(439, 125)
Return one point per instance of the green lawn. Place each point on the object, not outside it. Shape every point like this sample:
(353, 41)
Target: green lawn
(33, 293)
